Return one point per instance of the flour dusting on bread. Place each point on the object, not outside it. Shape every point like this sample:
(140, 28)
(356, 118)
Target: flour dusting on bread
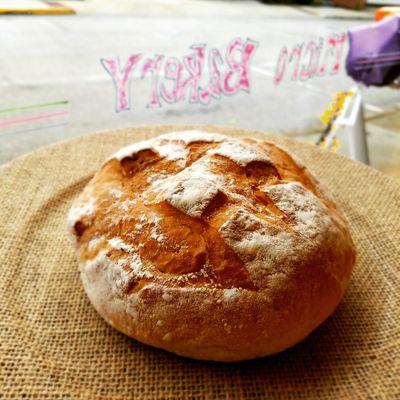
(172, 151)
(265, 249)
(83, 208)
(171, 146)
(239, 152)
(193, 136)
(131, 150)
(119, 244)
(155, 231)
(310, 215)
(106, 278)
(192, 189)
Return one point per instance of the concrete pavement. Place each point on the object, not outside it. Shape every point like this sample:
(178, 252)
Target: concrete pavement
(57, 60)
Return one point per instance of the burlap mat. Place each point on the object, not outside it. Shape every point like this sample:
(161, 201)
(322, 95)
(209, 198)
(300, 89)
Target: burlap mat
(53, 345)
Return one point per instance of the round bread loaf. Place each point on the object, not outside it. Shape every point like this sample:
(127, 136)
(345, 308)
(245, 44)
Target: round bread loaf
(210, 247)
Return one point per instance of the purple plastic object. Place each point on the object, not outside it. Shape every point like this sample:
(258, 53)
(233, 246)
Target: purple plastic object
(374, 54)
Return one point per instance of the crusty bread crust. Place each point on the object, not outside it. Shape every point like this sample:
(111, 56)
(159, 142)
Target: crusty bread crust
(210, 247)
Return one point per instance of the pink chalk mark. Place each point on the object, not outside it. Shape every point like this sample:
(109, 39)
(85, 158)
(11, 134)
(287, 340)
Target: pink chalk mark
(238, 68)
(335, 46)
(121, 78)
(296, 53)
(338, 55)
(153, 66)
(31, 119)
(283, 60)
(308, 70)
(173, 71)
(281, 66)
(318, 54)
(214, 87)
(194, 65)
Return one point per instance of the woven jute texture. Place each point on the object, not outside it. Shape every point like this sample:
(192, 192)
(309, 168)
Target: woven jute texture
(53, 345)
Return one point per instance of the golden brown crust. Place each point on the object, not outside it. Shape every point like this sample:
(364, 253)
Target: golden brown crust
(211, 247)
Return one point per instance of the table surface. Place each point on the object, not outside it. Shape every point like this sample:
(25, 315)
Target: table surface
(53, 343)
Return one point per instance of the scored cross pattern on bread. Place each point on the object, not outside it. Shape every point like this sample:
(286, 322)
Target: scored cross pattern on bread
(200, 217)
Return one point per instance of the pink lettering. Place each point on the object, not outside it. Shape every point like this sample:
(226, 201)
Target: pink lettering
(193, 64)
(214, 87)
(238, 68)
(153, 66)
(308, 56)
(338, 54)
(296, 52)
(173, 71)
(309, 69)
(281, 66)
(121, 79)
(318, 52)
(335, 45)
(183, 79)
